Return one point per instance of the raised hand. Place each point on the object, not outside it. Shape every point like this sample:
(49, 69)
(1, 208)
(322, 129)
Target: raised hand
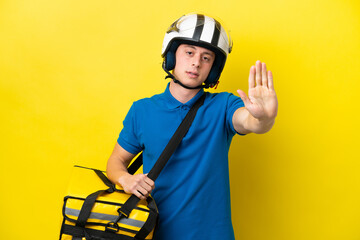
(262, 102)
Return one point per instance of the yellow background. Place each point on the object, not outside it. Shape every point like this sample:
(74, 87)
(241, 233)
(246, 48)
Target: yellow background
(70, 70)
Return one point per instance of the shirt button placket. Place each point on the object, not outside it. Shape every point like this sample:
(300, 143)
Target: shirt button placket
(184, 110)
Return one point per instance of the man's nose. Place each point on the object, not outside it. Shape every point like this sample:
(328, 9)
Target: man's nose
(196, 61)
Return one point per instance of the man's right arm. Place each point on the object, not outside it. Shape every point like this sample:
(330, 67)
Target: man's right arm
(116, 170)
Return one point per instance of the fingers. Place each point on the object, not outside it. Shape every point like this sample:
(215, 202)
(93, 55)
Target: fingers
(144, 186)
(264, 75)
(139, 185)
(252, 77)
(259, 76)
(271, 82)
(258, 73)
(243, 97)
(142, 192)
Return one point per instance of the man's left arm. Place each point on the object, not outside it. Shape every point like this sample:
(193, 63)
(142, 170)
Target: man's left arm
(261, 106)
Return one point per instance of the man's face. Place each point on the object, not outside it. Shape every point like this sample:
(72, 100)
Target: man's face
(193, 64)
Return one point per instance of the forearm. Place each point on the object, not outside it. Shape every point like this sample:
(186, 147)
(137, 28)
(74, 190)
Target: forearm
(117, 164)
(245, 123)
(116, 169)
(139, 185)
(259, 126)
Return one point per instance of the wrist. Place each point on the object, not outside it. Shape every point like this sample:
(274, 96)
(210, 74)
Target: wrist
(260, 125)
(264, 125)
(121, 179)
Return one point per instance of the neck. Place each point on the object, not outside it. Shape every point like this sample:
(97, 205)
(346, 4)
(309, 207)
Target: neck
(182, 94)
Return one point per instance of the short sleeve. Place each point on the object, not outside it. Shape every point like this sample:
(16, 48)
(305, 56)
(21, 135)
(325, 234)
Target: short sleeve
(233, 104)
(128, 137)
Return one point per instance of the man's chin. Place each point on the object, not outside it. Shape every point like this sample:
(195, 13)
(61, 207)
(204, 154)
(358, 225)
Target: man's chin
(191, 82)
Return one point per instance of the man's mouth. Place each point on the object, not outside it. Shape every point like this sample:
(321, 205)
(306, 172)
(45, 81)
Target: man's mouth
(192, 74)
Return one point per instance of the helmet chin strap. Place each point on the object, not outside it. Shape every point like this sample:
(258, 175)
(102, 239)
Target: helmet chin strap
(180, 83)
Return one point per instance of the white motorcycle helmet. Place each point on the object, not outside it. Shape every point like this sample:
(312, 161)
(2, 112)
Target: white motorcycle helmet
(198, 30)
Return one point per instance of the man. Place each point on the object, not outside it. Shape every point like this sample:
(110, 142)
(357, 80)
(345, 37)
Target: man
(192, 192)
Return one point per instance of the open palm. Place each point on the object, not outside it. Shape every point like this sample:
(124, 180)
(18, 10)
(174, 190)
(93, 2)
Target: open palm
(262, 101)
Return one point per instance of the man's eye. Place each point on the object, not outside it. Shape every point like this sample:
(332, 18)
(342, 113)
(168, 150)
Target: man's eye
(189, 53)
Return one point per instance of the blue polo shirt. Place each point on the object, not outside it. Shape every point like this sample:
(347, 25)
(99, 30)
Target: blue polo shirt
(192, 192)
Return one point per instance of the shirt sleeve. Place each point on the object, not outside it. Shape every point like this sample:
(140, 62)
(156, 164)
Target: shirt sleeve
(233, 104)
(128, 137)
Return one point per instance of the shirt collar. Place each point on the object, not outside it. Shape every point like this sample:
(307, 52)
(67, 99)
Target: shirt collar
(172, 102)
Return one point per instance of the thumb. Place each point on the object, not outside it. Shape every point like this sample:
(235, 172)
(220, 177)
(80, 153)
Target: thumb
(244, 97)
